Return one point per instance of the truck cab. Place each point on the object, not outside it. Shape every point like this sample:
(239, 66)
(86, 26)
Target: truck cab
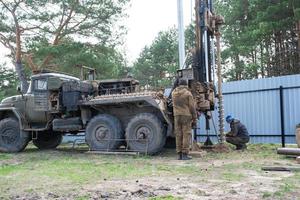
(30, 116)
(43, 98)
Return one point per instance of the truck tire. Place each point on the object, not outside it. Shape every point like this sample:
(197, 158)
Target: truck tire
(145, 133)
(12, 138)
(47, 140)
(104, 132)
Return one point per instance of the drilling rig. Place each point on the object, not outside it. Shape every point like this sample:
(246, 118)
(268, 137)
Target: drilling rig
(201, 74)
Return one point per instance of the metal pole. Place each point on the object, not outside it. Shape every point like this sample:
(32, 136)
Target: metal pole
(210, 6)
(181, 34)
(192, 11)
(213, 57)
(281, 96)
(206, 55)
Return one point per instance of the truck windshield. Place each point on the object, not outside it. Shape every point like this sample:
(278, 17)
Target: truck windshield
(40, 84)
(29, 88)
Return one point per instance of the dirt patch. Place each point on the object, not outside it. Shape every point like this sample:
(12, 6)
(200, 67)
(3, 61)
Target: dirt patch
(64, 175)
(188, 187)
(221, 148)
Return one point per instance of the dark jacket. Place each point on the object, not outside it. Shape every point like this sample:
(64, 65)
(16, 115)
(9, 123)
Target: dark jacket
(238, 129)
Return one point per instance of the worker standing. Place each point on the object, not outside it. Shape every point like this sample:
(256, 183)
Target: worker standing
(184, 118)
(238, 134)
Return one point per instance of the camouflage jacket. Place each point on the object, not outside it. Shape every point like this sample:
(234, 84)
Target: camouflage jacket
(183, 102)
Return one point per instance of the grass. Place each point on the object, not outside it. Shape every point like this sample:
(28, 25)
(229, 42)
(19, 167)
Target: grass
(85, 197)
(232, 176)
(8, 169)
(267, 195)
(288, 185)
(65, 171)
(78, 170)
(5, 156)
(169, 197)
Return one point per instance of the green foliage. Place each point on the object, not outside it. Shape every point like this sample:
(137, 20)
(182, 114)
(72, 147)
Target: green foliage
(108, 62)
(65, 33)
(91, 19)
(8, 82)
(158, 63)
(260, 38)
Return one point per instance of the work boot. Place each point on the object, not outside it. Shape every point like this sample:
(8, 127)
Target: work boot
(238, 147)
(244, 147)
(186, 157)
(241, 147)
(179, 156)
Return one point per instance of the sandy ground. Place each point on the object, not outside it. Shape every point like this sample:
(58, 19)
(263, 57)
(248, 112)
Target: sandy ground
(234, 175)
(187, 187)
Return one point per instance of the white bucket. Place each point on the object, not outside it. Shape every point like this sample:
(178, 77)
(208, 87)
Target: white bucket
(298, 135)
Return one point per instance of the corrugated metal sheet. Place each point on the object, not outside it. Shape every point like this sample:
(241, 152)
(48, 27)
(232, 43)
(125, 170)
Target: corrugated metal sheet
(260, 110)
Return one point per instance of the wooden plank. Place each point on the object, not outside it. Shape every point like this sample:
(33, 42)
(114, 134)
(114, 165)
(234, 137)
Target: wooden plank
(281, 168)
(113, 153)
(292, 156)
(298, 159)
(289, 151)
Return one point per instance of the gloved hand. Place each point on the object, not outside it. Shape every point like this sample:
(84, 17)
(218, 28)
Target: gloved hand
(228, 134)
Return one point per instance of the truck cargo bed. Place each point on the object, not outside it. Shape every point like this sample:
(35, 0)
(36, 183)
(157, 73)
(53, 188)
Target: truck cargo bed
(150, 97)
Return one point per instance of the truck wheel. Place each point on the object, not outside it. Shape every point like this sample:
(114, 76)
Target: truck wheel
(12, 138)
(145, 133)
(47, 140)
(104, 132)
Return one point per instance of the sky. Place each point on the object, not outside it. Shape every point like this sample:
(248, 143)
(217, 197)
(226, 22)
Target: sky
(146, 19)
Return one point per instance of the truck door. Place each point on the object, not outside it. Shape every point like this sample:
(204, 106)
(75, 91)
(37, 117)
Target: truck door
(37, 102)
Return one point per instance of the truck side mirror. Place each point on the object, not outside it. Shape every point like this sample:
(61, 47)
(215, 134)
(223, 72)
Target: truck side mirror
(19, 88)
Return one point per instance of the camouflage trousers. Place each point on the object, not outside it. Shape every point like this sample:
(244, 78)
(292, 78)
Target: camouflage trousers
(183, 127)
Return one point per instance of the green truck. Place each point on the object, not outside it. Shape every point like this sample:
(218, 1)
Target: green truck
(110, 113)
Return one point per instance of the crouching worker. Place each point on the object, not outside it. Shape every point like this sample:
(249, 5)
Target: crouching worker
(184, 118)
(238, 135)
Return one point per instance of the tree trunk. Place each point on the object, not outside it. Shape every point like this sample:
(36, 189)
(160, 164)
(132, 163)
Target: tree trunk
(22, 77)
(238, 75)
(262, 67)
(277, 64)
(268, 59)
(256, 64)
(19, 67)
(298, 46)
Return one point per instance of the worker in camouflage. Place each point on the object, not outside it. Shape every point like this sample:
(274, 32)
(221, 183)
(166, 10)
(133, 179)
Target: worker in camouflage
(184, 118)
(238, 135)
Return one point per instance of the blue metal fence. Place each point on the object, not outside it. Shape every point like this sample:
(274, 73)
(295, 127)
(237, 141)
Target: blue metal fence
(270, 108)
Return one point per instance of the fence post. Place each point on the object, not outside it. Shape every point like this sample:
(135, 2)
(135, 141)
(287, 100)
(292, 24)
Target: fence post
(281, 96)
